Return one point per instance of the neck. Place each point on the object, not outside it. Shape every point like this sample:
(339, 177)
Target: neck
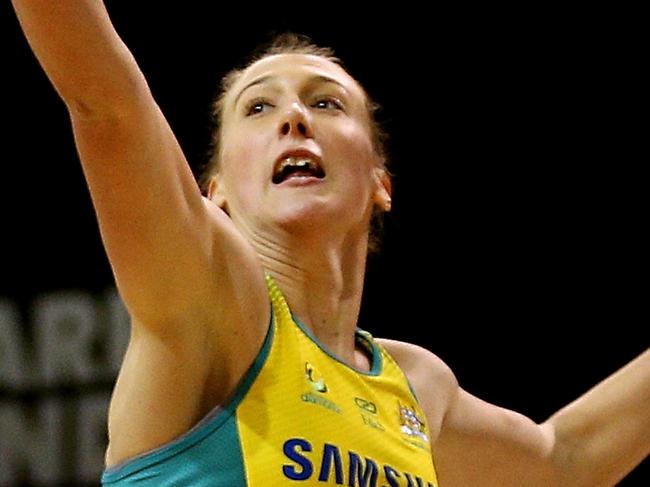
(323, 284)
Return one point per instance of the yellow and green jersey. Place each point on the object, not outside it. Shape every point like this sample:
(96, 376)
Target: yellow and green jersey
(300, 417)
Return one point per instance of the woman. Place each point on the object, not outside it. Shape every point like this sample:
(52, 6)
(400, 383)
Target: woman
(219, 387)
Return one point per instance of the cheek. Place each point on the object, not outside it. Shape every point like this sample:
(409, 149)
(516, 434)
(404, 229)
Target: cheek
(241, 159)
(356, 151)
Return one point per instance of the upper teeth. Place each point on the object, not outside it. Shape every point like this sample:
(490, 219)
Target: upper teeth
(297, 162)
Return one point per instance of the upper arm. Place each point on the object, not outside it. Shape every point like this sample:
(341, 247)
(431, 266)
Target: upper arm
(169, 249)
(485, 445)
(475, 443)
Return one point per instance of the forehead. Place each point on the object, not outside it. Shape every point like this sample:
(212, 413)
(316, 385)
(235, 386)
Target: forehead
(295, 67)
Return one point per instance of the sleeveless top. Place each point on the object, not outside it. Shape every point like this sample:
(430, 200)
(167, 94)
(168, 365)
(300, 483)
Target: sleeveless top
(300, 416)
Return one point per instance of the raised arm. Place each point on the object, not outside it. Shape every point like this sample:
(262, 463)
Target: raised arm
(159, 233)
(193, 286)
(595, 441)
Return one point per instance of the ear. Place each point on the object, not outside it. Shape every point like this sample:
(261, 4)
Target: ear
(215, 193)
(383, 190)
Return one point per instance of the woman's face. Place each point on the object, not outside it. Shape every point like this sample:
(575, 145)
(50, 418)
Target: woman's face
(296, 149)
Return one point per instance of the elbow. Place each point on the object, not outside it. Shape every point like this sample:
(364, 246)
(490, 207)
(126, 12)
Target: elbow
(567, 458)
(90, 98)
(559, 455)
(106, 106)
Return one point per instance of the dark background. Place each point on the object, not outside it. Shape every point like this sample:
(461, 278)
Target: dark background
(514, 250)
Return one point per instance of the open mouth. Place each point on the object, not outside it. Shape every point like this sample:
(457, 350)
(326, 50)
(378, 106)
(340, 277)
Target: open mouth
(297, 166)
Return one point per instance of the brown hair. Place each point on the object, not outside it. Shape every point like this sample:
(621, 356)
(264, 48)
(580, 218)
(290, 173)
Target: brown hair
(290, 43)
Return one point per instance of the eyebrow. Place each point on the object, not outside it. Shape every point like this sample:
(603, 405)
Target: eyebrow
(319, 78)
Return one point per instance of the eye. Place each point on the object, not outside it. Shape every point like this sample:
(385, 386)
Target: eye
(328, 103)
(256, 106)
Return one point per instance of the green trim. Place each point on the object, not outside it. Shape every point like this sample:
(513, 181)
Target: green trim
(219, 417)
(365, 338)
(361, 337)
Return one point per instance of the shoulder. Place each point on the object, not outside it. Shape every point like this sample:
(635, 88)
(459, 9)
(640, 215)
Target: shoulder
(419, 363)
(434, 383)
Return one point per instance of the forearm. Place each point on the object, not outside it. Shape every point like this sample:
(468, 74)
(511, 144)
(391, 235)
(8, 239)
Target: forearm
(604, 434)
(80, 51)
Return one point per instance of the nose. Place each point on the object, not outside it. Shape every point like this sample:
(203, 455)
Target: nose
(296, 121)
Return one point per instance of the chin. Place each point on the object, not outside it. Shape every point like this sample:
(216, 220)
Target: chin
(306, 216)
